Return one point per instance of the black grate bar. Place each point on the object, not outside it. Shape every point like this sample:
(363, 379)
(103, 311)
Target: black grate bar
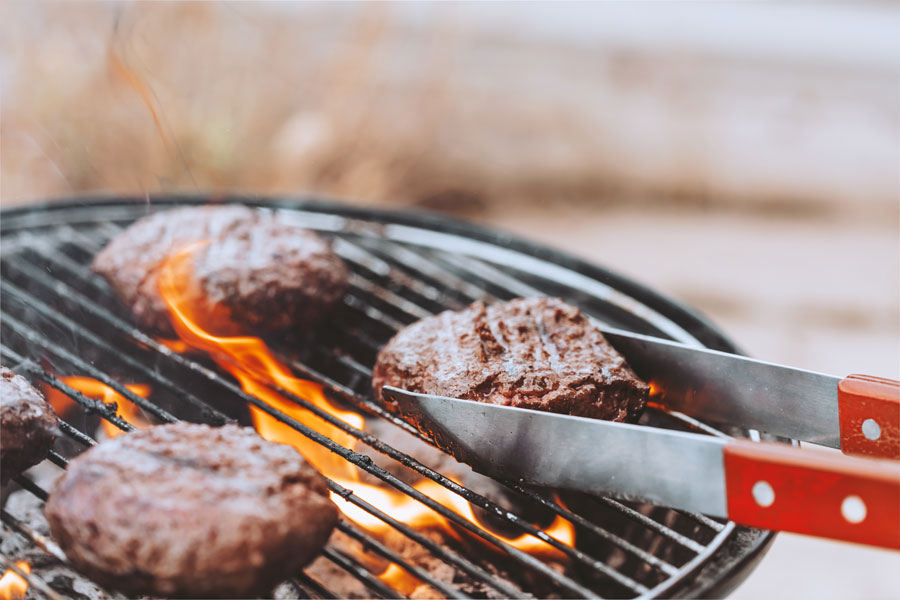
(625, 545)
(445, 554)
(355, 297)
(483, 270)
(278, 415)
(359, 282)
(11, 357)
(350, 332)
(467, 494)
(35, 537)
(57, 459)
(353, 568)
(347, 395)
(360, 572)
(357, 301)
(576, 554)
(707, 521)
(382, 269)
(356, 305)
(351, 397)
(308, 583)
(138, 336)
(346, 563)
(476, 499)
(82, 272)
(365, 274)
(351, 363)
(36, 338)
(31, 486)
(653, 524)
(365, 298)
(365, 462)
(595, 528)
(424, 269)
(34, 582)
(86, 240)
(76, 434)
(151, 375)
(470, 496)
(487, 272)
(106, 411)
(373, 545)
(692, 423)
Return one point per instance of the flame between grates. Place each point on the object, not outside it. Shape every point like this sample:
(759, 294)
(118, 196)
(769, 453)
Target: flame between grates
(60, 318)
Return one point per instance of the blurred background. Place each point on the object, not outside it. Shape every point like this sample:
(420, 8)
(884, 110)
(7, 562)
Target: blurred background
(741, 157)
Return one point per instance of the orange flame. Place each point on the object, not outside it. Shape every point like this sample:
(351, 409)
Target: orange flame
(12, 585)
(399, 579)
(92, 388)
(250, 361)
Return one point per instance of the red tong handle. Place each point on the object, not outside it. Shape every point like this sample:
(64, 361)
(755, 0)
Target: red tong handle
(814, 492)
(869, 415)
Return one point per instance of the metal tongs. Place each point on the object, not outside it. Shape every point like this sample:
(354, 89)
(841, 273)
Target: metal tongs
(768, 485)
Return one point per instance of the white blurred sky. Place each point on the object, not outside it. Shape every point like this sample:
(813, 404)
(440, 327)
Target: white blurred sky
(852, 34)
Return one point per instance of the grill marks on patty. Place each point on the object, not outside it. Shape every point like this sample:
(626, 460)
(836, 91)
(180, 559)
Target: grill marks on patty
(537, 353)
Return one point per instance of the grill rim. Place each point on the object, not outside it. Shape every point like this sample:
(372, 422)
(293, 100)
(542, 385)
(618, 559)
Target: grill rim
(687, 317)
(717, 574)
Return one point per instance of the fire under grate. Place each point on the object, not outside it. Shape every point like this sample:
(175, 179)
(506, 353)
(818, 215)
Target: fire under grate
(58, 318)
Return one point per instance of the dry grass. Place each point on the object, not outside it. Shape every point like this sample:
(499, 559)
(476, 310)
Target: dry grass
(155, 96)
(354, 101)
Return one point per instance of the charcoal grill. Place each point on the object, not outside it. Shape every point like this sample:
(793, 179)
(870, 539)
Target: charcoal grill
(59, 318)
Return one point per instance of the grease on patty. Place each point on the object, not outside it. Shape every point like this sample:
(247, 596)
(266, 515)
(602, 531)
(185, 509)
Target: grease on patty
(537, 353)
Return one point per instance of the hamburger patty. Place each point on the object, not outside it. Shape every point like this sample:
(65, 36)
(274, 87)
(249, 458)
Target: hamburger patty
(536, 353)
(256, 269)
(27, 425)
(192, 511)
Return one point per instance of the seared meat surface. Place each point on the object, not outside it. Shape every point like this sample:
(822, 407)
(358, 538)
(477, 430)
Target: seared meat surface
(27, 425)
(191, 511)
(256, 268)
(537, 353)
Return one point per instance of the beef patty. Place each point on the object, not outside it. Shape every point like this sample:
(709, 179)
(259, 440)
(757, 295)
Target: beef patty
(191, 511)
(258, 268)
(536, 353)
(27, 422)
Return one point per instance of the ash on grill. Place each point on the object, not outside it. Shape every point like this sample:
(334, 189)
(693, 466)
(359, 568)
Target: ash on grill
(59, 318)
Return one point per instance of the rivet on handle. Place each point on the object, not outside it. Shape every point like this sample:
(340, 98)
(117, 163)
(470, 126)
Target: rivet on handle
(853, 509)
(763, 493)
(869, 416)
(871, 429)
(814, 492)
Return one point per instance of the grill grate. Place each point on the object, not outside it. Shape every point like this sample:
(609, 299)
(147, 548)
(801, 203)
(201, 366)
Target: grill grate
(57, 313)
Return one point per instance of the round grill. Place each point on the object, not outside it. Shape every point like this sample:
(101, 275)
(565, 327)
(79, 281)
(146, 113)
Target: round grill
(59, 318)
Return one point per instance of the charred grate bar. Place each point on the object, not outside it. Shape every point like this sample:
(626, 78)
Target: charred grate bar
(56, 310)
